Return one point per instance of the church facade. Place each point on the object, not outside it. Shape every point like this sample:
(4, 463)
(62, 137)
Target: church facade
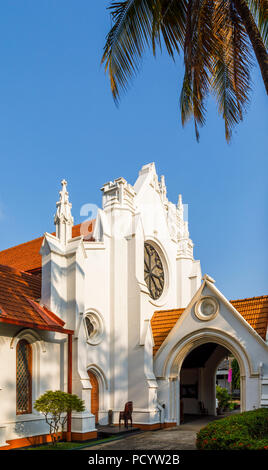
(117, 310)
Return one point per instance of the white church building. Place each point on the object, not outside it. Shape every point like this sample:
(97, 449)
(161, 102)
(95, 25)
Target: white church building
(117, 310)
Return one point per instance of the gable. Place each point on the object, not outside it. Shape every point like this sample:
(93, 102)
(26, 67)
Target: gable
(254, 310)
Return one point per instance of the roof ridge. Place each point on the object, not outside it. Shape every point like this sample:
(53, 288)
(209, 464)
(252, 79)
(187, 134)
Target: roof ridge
(21, 244)
(35, 239)
(250, 298)
(17, 270)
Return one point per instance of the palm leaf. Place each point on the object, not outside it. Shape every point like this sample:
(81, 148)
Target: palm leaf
(231, 70)
(171, 22)
(198, 46)
(259, 9)
(125, 43)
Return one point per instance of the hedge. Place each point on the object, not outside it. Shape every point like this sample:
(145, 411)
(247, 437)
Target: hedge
(245, 431)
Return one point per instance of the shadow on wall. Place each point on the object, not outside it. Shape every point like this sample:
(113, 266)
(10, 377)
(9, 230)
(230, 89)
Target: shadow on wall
(115, 366)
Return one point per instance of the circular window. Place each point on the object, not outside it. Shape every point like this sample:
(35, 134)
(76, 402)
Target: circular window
(206, 308)
(153, 271)
(94, 327)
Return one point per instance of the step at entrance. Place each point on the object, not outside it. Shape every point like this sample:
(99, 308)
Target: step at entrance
(108, 431)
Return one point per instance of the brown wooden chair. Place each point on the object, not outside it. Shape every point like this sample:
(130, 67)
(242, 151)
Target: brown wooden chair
(126, 414)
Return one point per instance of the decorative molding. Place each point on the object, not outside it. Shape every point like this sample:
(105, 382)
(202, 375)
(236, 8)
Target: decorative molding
(30, 335)
(206, 308)
(94, 327)
(118, 194)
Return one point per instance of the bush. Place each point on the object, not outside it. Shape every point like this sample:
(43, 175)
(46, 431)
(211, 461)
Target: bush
(55, 406)
(231, 406)
(223, 397)
(245, 431)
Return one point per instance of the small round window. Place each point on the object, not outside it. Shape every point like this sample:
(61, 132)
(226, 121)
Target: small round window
(206, 308)
(94, 327)
(153, 271)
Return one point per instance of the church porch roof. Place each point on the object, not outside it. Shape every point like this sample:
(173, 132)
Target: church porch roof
(19, 296)
(254, 310)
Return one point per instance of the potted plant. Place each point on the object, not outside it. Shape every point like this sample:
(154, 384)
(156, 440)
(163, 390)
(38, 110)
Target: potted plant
(223, 398)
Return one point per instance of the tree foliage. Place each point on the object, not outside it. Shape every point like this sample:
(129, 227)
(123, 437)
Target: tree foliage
(216, 37)
(55, 406)
(223, 397)
(235, 375)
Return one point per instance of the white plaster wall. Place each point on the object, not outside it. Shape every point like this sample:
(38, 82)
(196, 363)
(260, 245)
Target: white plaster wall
(107, 276)
(227, 328)
(48, 374)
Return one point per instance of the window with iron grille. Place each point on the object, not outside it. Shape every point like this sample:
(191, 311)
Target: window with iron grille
(24, 377)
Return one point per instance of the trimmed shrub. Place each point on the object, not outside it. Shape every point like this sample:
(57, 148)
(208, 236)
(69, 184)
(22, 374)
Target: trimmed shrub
(55, 407)
(245, 431)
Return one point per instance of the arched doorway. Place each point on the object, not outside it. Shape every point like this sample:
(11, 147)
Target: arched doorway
(198, 381)
(94, 395)
(169, 371)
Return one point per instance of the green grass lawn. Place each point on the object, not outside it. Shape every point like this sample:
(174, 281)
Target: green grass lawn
(71, 445)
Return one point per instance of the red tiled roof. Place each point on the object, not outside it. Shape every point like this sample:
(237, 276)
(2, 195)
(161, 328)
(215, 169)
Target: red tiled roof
(254, 310)
(26, 257)
(19, 293)
(162, 323)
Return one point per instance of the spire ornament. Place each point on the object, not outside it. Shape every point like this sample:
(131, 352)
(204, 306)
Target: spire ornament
(63, 218)
(185, 244)
(163, 189)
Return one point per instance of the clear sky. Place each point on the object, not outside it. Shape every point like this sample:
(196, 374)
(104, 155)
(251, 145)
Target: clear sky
(58, 120)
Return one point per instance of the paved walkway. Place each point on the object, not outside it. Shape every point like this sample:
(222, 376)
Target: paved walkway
(178, 438)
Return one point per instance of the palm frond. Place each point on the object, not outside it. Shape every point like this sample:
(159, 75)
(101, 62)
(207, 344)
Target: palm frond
(127, 39)
(198, 46)
(259, 9)
(231, 69)
(172, 15)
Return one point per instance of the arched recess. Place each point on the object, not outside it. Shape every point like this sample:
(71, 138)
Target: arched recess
(38, 347)
(178, 353)
(99, 392)
(174, 361)
(23, 377)
(94, 397)
(31, 336)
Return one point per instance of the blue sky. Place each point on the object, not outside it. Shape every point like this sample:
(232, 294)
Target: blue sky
(58, 120)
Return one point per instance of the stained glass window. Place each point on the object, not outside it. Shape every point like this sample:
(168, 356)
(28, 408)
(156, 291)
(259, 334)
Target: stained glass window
(24, 377)
(153, 271)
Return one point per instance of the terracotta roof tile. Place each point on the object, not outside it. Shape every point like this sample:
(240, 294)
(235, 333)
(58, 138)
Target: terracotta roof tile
(254, 310)
(19, 295)
(26, 257)
(162, 323)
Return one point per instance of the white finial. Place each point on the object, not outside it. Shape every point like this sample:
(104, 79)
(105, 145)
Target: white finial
(206, 277)
(180, 208)
(163, 189)
(185, 244)
(63, 218)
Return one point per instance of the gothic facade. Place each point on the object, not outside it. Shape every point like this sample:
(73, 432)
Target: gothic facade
(117, 310)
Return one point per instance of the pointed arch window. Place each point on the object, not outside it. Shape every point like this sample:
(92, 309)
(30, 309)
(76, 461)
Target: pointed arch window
(24, 377)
